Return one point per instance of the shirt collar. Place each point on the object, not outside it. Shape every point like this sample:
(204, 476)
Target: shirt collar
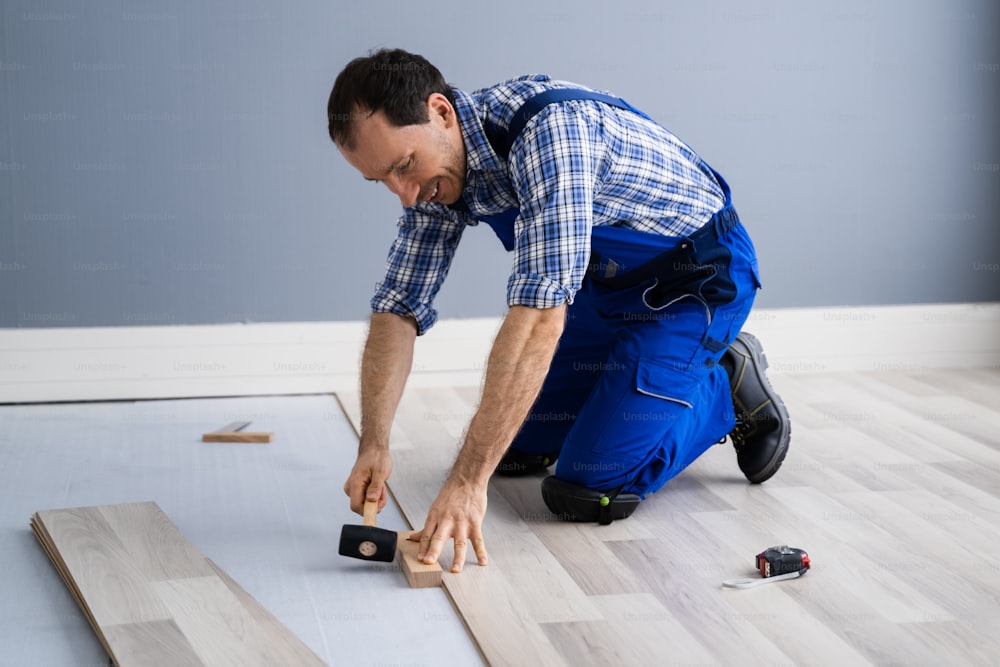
(479, 155)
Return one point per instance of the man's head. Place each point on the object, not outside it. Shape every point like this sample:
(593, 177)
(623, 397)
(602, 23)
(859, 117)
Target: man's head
(393, 118)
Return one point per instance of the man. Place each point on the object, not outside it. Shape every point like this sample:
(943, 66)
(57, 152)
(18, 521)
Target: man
(620, 358)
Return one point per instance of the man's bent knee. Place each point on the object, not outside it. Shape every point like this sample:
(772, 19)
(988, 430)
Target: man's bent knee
(572, 502)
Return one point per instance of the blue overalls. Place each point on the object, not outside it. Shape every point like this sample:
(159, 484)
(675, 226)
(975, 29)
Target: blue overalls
(635, 392)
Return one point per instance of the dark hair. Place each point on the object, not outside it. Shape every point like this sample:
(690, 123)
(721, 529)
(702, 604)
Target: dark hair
(393, 81)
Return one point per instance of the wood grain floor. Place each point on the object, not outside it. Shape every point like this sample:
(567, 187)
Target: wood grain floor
(892, 485)
(153, 598)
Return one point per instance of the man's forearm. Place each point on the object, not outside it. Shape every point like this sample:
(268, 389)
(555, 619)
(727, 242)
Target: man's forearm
(385, 366)
(517, 366)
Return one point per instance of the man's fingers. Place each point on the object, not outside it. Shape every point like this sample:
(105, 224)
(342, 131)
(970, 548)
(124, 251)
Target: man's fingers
(432, 542)
(479, 546)
(459, 561)
(375, 491)
(357, 495)
(425, 542)
(367, 479)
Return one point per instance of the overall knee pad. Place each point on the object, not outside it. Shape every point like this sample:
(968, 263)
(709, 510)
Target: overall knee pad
(571, 502)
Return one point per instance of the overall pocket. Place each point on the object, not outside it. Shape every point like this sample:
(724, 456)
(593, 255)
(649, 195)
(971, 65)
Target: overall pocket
(663, 381)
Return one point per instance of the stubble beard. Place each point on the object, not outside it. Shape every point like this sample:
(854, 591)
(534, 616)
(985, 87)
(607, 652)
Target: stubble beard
(454, 164)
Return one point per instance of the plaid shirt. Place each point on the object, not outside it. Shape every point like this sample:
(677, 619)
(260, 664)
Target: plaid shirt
(575, 164)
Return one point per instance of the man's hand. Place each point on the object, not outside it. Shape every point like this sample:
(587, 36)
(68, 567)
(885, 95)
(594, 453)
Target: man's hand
(368, 477)
(458, 514)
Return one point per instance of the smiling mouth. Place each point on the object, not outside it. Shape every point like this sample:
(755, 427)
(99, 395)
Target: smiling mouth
(433, 196)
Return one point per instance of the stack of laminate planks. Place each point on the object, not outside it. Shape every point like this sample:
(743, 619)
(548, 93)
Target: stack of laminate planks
(153, 598)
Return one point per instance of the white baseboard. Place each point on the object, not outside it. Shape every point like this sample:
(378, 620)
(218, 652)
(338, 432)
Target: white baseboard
(83, 364)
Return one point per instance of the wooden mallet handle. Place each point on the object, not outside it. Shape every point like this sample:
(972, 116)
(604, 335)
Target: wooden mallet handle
(371, 509)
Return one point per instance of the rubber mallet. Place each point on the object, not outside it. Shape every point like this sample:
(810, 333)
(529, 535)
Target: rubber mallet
(368, 542)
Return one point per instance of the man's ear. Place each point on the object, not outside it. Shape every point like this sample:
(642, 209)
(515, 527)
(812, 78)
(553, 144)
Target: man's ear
(438, 106)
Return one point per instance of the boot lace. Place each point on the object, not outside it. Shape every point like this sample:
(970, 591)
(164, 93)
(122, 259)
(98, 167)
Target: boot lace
(741, 432)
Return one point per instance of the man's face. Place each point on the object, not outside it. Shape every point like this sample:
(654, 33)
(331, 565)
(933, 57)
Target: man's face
(418, 163)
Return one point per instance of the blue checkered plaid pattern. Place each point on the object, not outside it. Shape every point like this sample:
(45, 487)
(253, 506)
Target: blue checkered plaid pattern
(577, 164)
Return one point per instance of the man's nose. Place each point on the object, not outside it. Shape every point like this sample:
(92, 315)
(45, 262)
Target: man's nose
(407, 191)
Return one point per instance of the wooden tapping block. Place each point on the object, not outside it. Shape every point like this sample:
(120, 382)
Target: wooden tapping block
(234, 433)
(418, 574)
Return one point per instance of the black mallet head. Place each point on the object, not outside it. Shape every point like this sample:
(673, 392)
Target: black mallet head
(368, 542)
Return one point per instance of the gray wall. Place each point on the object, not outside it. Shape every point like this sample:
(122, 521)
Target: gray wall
(167, 163)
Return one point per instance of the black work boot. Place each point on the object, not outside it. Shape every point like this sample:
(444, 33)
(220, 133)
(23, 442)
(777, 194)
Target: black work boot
(763, 428)
(572, 502)
(517, 464)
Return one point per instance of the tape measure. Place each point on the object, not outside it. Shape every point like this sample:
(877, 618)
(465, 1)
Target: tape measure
(775, 564)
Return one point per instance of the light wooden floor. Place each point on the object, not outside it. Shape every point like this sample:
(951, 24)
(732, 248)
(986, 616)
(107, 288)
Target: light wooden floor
(892, 485)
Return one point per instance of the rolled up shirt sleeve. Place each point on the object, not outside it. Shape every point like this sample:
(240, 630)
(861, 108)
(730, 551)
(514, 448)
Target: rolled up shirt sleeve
(418, 262)
(552, 169)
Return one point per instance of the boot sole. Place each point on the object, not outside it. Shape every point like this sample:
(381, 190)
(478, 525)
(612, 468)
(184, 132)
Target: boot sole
(759, 365)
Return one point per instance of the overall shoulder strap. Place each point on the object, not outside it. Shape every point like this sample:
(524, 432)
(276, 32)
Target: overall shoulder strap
(502, 141)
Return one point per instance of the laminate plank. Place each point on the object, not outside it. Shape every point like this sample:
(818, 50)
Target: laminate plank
(951, 523)
(636, 629)
(899, 602)
(582, 549)
(699, 606)
(965, 584)
(845, 600)
(43, 537)
(547, 592)
(832, 598)
(287, 645)
(984, 478)
(963, 416)
(865, 460)
(895, 428)
(151, 644)
(688, 493)
(718, 470)
(115, 589)
(834, 606)
(858, 587)
(968, 423)
(154, 544)
(938, 480)
(979, 385)
(588, 560)
(128, 566)
(805, 614)
(971, 642)
(953, 427)
(906, 383)
(218, 626)
(496, 618)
